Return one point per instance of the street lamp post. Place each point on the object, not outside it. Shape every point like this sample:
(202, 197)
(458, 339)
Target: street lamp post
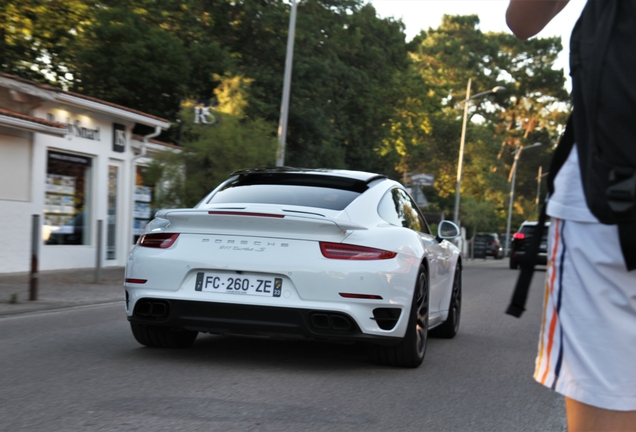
(511, 179)
(537, 201)
(463, 141)
(284, 108)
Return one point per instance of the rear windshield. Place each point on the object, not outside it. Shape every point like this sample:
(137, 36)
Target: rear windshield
(529, 229)
(307, 196)
(484, 237)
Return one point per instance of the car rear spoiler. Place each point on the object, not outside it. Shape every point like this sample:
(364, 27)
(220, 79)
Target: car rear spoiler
(248, 220)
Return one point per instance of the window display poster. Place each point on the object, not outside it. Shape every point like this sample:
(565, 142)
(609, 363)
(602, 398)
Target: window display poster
(63, 184)
(143, 193)
(66, 199)
(139, 226)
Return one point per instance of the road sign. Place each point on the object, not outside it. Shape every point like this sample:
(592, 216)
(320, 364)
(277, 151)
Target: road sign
(419, 197)
(422, 179)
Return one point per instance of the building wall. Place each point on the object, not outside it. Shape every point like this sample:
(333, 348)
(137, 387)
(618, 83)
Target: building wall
(91, 137)
(15, 205)
(24, 191)
(15, 232)
(15, 166)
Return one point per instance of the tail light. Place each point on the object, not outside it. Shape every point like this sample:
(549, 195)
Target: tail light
(159, 240)
(135, 281)
(353, 252)
(519, 236)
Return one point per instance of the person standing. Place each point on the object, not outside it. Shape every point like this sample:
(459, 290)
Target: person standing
(587, 346)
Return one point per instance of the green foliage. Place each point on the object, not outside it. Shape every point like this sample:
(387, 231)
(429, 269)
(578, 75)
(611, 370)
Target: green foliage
(137, 56)
(362, 98)
(532, 109)
(35, 37)
(211, 153)
(479, 215)
(346, 61)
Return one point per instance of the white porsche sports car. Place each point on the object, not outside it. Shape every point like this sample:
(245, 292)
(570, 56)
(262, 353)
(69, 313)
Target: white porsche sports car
(321, 254)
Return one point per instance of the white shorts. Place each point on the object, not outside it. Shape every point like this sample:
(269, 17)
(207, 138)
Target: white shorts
(587, 346)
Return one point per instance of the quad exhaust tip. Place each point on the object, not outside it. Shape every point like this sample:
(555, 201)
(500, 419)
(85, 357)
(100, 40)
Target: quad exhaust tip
(152, 309)
(332, 322)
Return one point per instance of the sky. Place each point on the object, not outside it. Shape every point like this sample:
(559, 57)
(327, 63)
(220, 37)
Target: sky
(420, 15)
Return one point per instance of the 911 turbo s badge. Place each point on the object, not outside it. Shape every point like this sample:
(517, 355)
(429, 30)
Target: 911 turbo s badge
(245, 245)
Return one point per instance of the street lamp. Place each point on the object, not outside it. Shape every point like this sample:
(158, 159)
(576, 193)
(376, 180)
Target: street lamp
(540, 175)
(511, 179)
(284, 108)
(463, 140)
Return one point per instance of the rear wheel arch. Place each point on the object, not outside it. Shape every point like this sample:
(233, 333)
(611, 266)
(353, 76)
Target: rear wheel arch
(424, 265)
(410, 351)
(450, 327)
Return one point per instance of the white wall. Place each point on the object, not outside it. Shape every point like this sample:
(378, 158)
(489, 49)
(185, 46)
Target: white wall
(15, 167)
(101, 152)
(15, 236)
(15, 205)
(23, 176)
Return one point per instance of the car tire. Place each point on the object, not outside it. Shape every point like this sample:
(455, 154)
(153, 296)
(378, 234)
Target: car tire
(162, 337)
(450, 327)
(410, 352)
(514, 264)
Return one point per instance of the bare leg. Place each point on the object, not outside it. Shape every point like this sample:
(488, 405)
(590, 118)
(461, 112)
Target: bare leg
(582, 417)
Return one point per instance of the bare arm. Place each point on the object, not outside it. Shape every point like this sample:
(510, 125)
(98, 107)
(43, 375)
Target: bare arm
(526, 18)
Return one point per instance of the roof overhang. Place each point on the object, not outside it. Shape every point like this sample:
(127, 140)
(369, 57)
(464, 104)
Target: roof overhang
(31, 126)
(111, 110)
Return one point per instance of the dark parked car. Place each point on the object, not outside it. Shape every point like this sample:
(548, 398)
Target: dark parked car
(520, 241)
(71, 233)
(487, 244)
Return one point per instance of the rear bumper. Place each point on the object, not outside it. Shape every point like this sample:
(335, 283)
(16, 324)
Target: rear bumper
(224, 318)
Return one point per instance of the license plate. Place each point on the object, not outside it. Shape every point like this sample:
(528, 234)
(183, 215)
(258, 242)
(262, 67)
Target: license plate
(239, 284)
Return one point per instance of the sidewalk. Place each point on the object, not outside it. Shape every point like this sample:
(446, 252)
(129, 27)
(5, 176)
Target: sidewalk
(59, 289)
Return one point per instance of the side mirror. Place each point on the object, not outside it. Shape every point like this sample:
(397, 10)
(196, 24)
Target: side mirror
(447, 230)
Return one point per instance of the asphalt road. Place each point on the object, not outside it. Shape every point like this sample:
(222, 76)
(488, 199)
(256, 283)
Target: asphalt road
(80, 369)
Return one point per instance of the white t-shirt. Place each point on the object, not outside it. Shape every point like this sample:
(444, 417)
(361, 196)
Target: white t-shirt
(568, 201)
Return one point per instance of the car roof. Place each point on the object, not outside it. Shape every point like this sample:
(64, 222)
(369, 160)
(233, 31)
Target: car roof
(533, 223)
(334, 178)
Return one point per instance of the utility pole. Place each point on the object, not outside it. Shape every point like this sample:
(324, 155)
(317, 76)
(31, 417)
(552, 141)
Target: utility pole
(284, 109)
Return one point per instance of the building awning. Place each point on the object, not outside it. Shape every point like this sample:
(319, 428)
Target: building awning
(53, 94)
(15, 120)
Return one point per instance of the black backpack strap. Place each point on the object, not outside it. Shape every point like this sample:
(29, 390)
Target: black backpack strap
(520, 294)
(621, 198)
(627, 236)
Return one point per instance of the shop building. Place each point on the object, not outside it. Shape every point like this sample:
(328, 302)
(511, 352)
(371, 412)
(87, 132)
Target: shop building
(74, 161)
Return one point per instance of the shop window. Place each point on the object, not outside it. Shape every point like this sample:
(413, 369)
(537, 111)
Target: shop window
(66, 204)
(111, 227)
(142, 210)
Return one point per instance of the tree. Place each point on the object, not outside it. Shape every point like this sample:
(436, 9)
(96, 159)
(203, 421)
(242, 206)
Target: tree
(211, 152)
(532, 109)
(345, 63)
(35, 37)
(123, 60)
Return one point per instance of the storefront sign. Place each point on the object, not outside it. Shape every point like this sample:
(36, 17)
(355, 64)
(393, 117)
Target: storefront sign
(76, 129)
(202, 114)
(119, 138)
(70, 158)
